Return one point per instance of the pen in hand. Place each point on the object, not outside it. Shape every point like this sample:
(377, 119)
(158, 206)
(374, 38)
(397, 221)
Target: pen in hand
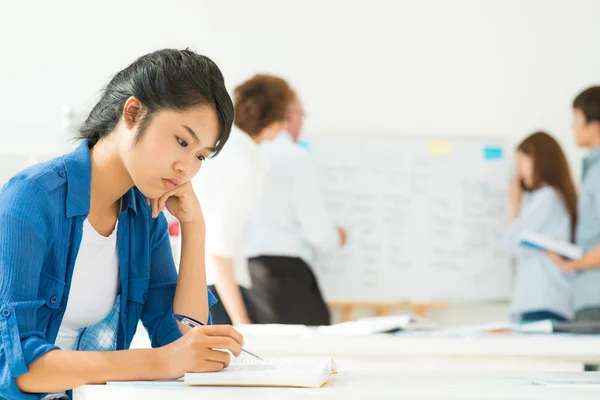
(192, 323)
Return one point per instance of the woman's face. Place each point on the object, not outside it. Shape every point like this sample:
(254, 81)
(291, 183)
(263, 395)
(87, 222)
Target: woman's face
(525, 169)
(171, 149)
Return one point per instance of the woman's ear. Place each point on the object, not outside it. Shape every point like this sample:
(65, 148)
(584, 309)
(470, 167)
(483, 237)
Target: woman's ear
(132, 112)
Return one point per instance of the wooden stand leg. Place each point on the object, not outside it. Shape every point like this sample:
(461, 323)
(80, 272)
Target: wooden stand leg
(420, 310)
(347, 313)
(382, 311)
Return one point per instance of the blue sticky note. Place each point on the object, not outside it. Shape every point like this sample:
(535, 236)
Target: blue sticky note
(492, 153)
(303, 143)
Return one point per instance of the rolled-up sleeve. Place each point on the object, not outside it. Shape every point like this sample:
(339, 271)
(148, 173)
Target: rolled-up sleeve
(26, 225)
(157, 314)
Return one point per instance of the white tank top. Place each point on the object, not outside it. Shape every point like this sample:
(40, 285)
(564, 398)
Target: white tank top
(94, 286)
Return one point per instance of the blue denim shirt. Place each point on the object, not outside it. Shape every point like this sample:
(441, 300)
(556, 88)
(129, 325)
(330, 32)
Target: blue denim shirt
(586, 286)
(42, 211)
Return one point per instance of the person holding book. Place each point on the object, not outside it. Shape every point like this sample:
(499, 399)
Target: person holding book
(84, 246)
(586, 284)
(543, 200)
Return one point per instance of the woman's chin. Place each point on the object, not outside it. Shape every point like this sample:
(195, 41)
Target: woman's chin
(151, 193)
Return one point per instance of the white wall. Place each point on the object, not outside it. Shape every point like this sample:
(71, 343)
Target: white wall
(363, 67)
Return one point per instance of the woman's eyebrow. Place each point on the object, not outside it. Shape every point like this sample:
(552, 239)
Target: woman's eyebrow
(191, 131)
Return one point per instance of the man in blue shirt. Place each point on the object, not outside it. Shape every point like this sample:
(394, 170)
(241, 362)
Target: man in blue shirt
(586, 285)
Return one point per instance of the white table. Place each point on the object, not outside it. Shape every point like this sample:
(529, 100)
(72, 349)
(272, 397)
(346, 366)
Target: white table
(425, 352)
(499, 352)
(372, 384)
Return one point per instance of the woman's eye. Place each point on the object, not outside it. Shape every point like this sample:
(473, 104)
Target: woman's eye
(201, 158)
(182, 142)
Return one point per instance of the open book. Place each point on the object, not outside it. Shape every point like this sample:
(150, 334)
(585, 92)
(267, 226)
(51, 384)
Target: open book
(537, 241)
(292, 372)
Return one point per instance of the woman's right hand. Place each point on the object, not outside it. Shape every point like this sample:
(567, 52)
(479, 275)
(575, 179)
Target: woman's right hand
(515, 192)
(195, 351)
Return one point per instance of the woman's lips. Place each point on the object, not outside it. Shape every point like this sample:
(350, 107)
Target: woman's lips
(170, 184)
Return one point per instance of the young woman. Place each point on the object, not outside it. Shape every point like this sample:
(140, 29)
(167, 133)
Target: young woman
(542, 199)
(230, 188)
(84, 248)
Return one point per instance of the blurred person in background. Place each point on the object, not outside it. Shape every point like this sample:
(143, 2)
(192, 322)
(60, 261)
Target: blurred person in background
(286, 232)
(229, 188)
(586, 284)
(543, 200)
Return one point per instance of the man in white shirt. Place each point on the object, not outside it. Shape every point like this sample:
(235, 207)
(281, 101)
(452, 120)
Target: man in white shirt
(229, 187)
(287, 230)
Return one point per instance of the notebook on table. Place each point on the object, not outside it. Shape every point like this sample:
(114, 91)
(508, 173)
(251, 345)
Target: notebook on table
(287, 372)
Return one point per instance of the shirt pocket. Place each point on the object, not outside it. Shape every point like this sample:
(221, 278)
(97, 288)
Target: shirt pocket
(138, 290)
(51, 293)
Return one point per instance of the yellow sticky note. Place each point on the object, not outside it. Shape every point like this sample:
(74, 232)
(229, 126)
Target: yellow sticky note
(439, 148)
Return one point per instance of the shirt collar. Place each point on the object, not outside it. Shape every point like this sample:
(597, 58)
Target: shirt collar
(78, 169)
(285, 136)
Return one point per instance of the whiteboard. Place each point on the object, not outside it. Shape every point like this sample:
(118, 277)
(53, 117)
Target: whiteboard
(425, 219)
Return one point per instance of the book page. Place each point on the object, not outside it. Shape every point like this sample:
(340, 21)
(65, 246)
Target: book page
(540, 242)
(282, 365)
(293, 372)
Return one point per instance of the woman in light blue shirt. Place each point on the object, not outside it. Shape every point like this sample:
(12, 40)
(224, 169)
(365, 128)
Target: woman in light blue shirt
(542, 199)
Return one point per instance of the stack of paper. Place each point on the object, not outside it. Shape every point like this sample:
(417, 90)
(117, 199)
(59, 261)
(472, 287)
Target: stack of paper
(544, 326)
(592, 382)
(369, 326)
(291, 372)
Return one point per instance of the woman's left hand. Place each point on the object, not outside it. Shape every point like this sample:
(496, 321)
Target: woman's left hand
(181, 202)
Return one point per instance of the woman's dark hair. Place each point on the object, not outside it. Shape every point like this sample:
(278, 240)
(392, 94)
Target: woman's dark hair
(165, 79)
(260, 101)
(550, 166)
(588, 102)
